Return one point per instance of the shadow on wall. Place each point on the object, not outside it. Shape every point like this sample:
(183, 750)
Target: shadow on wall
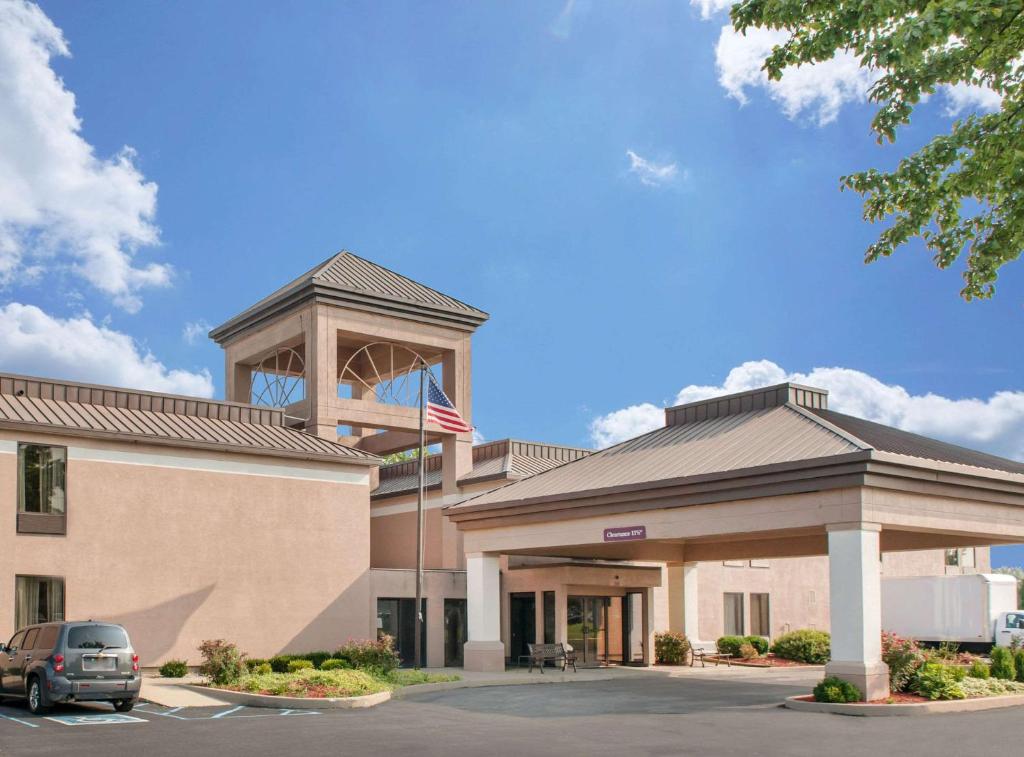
(155, 630)
(348, 616)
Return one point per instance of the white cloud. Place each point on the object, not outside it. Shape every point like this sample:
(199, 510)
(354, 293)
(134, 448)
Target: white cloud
(195, 330)
(709, 8)
(626, 423)
(819, 90)
(650, 173)
(60, 204)
(995, 424)
(37, 344)
(968, 98)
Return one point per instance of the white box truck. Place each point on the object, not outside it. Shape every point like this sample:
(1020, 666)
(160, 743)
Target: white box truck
(975, 611)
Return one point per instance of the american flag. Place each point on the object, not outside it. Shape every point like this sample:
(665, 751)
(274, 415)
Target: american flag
(441, 411)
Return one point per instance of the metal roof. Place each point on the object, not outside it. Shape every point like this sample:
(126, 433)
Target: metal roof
(724, 438)
(897, 441)
(43, 405)
(348, 280)
(501, 460)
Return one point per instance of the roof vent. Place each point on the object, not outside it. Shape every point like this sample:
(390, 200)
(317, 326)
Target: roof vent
(745, 402)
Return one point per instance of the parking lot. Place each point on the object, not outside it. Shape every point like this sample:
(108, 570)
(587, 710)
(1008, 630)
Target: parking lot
(719, 714)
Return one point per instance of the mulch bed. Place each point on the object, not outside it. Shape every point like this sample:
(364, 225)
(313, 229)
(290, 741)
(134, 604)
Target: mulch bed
(899, 698)
(769, 661)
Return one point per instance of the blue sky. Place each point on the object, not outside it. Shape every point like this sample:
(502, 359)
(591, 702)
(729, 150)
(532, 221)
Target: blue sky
(484, 149)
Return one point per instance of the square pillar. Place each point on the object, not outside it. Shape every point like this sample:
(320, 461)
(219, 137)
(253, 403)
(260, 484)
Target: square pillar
(691, 626)
(855, 608)
(561, 614)
(648, 626)
(484, 652)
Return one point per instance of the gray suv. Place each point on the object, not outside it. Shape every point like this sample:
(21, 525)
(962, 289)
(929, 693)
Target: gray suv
(70, 662)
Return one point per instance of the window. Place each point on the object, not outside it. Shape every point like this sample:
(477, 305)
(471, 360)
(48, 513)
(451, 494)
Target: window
(97, 637)
(47, 638)
(759, 622)
(15, 642)
(733, 614)
(41, 479)
(963, 557)
(549, 617)
(30, 638)
(37, 599)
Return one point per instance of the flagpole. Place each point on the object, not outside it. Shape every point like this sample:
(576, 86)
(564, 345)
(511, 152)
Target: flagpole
(418, 635)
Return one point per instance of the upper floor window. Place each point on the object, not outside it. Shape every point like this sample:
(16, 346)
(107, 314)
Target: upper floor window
(962, 558)
(41, 479)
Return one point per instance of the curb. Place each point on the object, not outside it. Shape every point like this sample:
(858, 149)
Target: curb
(293, 703)
(427, 688)
(901, 710)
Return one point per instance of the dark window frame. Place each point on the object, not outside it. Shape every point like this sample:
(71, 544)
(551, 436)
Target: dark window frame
(39, 523)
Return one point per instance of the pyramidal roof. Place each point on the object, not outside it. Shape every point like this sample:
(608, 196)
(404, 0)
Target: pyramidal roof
(350, 281)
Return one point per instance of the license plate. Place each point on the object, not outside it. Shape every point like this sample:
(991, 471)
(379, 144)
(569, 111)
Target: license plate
(106, 663)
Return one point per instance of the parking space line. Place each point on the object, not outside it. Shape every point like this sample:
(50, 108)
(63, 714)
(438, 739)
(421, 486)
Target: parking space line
(226, 712)
(16, 720)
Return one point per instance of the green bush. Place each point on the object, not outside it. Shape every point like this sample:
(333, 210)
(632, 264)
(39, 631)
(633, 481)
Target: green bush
(671, 648)
(805, 645)
(978, 669)
(174, 669)
(760, 643)
(730, 645)
(279, 663)
(366, 653)
(990, 687)
(251, 663)
(262, 669)
(937, 681)
(296, 665)
(322, 683)
(334, 664)
(1002, 664)
(1018, 664)
(317, 658)
(222, 662)
(836, 691)
(904, 657)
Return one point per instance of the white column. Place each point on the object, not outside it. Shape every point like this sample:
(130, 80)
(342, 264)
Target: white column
(648, 626)
(484, 651)
(855, 608)
(690, 605)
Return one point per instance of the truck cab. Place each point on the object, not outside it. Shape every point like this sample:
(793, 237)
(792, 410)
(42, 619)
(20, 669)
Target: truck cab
(1009, 626)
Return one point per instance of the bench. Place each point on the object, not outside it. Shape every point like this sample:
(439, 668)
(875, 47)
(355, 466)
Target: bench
(702, 654)
(542, 653)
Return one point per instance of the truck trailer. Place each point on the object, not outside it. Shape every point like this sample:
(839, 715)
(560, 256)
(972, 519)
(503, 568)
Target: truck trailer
(975, 611)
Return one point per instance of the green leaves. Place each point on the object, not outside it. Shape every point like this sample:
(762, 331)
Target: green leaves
(964, 191)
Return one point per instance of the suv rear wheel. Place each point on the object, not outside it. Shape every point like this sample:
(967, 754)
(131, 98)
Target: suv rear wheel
(35, 697)
(125, 705)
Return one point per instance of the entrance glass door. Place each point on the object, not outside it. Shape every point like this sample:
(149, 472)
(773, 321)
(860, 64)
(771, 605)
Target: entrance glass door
(454, 631)
(522, 623)
(595, 639)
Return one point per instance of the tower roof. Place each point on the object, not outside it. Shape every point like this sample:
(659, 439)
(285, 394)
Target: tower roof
(350, 281)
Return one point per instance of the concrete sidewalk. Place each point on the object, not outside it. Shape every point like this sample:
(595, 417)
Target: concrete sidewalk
(170, 693)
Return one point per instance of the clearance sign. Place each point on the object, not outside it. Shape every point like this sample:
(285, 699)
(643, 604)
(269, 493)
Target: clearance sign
(625, 533)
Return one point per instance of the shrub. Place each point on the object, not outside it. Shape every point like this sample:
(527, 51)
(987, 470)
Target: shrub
(903, 656)
(978, 669)
(317, 658)
(312, 682)
(747, 651)
(1002, 664)
(262, 669)
(760, 643)
(174, 669)
(805, 645)
(296, 665)
(222, 662)
(366, 653)
(1018, 664)
(334, 664)
(671, 648)
(251, 663)
(937, 681)
(279, 663)
(408, 677)
(836, 691)
(990, 687)
(730, 645)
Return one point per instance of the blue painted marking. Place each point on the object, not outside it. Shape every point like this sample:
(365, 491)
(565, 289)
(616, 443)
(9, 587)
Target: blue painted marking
(17, 720)
(111, 718)
(226, 712)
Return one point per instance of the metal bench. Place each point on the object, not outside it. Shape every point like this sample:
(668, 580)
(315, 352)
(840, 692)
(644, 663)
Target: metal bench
(702, 654)
(542, 653)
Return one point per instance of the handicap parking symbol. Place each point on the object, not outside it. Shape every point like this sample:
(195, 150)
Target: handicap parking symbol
(112, 718)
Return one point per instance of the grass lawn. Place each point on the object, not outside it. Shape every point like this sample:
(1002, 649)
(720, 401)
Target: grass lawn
(333, 683)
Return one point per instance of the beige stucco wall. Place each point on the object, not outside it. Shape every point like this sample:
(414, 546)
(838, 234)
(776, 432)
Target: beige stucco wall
(272, 554)
(798, 587)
